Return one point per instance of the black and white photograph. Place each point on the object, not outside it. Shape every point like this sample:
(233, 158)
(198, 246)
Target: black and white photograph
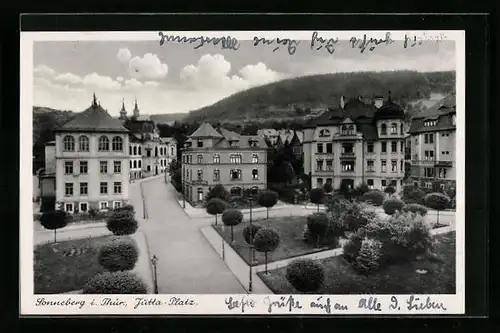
(259, 172)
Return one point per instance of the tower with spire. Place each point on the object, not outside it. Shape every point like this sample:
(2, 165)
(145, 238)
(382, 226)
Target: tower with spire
(136, 109)
(123, 112)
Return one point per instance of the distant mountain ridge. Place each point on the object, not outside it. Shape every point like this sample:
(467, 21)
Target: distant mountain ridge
(297, 97)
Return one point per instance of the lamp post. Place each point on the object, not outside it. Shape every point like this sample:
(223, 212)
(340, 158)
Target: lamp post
(250, 247)
(223, 232)
(154, 262)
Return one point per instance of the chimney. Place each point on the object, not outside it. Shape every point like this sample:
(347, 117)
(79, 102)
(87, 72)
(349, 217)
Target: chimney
(342, 102)
(378, 101)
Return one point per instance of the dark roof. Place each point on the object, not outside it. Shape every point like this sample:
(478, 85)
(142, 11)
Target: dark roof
(369, 131)
(206, 131)
(93, 119)
(243, 140)
(446, 105)
(139, 126)
(443, 111)
(390, 110)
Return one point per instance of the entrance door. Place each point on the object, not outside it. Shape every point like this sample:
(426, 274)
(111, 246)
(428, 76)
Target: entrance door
(347, 184)
(156, 170)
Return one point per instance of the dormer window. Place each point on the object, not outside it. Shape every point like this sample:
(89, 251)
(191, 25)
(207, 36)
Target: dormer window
(233, 143)
(344, 130)
(394, 129)
(383, 129)
(199, 144)
(252, 143)
(324, 133)
(429, 123)
(350, 130)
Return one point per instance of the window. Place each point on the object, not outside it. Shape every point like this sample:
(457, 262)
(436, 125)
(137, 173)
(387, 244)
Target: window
(84, 207)
(394, 183)
(429, 172)
(394, 129)
(103, 166)
(130, 150)
(117, 187)
(329, 165)
(235, 158)
(324, 133)
(344, 130)
(68, 207)
(199, 158)
(171, 150)
(426, 138)
(135, 150)
(139, 150)
(394, 166)
(369, 147)
(430, 123)
(134, 164)
(68, 189)
(394, 146)
(216, 175)
(200, 174)
(347, 166)
(156, 151)
(131, 164)
(216, 158)
(255, 158)
(117, 204)
(384, 147)
(235, 174)
(369, 182)
(103, 205)
(402, 146)
(200, 194)
(103, 143)
(117, 143)
(347, 148)
(383, 166)
(370, 165)
(319, 165)
(384, 183)
(69, 143)
(383, 129)
(429, 155)
(83, 143)
(329, 181)
(199, 144)
(319, 148)
(350, 130)
(442, 173)
(117, 166)
(84, 188)
(84, 167)
(319, 182)
(148, 152)
(68, 167)
(402, 129)
(431, 138)
(329, 148)
(103, 188)
(139, 164)
(255, 174)
(401, 167)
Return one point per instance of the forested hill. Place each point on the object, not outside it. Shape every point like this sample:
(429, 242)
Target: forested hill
(292, 97)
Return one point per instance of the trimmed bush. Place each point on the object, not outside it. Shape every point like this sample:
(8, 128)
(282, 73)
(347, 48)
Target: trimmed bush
(317, 225)
(437, 201)
(368, 257)
(356, 215)
(119, 255)
(249, 232)
(415, 208)
(122, 222)
(216, 206)
(414, 196)
(232, 217)
(266, 240)
(115, 283)
(374, 197)
(361, 189)
(54, 220)
(48, 204)
(317, 196)
(392, 205)
(267, 199)
(305, 275)
(390, 190)
(218, 191)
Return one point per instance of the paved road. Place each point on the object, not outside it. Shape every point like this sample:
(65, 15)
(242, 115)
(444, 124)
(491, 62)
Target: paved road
(187, 262)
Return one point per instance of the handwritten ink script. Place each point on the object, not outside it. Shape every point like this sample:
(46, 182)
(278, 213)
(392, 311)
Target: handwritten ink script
(412, 303)
(316, 43)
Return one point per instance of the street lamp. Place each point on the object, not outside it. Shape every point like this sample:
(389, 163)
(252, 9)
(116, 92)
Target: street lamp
(250, 247)
(154, 261)
(223, 232)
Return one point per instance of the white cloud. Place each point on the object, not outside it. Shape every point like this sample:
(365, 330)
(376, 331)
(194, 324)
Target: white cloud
(132, 84)
(147, 67)
(120, 79)
(44, 71)
(152, 84)
(102, 82)
(68, 78)
(259, 74)
(123, 55)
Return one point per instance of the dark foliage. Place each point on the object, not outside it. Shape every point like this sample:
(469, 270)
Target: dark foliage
(305, 275)
(55, 219)
(317, 225)
(218, 191)
(373, 197)
(249, 232)
(119, 255)
(266, 240)
(392, 205)
(115, 283)
(122, 223)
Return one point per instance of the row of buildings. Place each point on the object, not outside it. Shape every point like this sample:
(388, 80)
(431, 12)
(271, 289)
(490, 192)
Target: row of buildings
(94, 157)
(357, 142)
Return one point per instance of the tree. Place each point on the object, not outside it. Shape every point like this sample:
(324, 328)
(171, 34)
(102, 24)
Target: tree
(122, 222)
(115, 283)
(437, 201)
(305, 275)
(374, 197)
(368, 257)
(317, 225)
(218, 191)
(390, 190)
(216, 206)
(249, 235)
(267, 199)
(232, 217)
(119, 255)
(328, 188)
(54, 220)
(391, 205)
(266, 240)
(317, 196)
(361, 189)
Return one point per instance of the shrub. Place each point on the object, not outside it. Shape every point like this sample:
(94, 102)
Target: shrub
(305, 275)
(356, 215)
(353, 244)
(415, 208)
(437, 201)
(328, 188)
(218, 191)
(232, 217)
(414, 196)
(317, 196)
(122, 223)
(417, 239)
(249, 232)
(317, 225)
(267, 199)
(54, 220)
(374, 197)
(361, 189)
(368, 257)
(390, 190)
(115, 283)
(215, 206)
(392, 205)
(126, 208)
(266, 240)
(119, 255)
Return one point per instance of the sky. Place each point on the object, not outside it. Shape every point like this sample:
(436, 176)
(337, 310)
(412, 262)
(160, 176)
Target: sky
(172, 78)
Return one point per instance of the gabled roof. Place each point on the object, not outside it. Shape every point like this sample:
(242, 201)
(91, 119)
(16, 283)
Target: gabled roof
(243, 141)
(445, 105)
(206, 131)
(93, 119)
(442, 111)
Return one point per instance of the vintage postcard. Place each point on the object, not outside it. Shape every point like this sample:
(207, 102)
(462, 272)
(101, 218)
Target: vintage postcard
(242, 172)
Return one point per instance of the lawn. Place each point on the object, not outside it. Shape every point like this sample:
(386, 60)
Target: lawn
(290, 230)
(396, 279)
(67, 266)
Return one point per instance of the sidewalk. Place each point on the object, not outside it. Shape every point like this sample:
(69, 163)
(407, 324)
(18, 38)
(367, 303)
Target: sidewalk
(200, 213)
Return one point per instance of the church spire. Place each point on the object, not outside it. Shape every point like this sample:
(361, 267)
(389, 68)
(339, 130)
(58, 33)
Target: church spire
(123, 112)
(94, 101)
(136, 109)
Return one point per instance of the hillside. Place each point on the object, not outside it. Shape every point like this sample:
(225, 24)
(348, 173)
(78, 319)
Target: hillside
(292, 97)
(167, 118)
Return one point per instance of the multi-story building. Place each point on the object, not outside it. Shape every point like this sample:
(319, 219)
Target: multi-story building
(359, 142)
(91, 162)
(212, 157)
(433, 142)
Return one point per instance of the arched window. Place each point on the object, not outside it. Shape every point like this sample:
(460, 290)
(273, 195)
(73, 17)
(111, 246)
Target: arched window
(156, 151)
(402, 129)
(69, 143)
(139, 164)
(117, 144)
(255, 158)
(135, 150)
(236, 191)
(216, 158)
(199, 158)
(394, 129)
(135, 164)
(216, 175)
(103, 143)
(130, 164)
(83, 143)
(383, 129)
(255, 174)
(350, 130)
(344, 129)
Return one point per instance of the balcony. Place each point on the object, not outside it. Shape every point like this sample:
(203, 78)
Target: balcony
(199, 182)
(348, 156)
(346, 136)
(444, 164)
(370, 170)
